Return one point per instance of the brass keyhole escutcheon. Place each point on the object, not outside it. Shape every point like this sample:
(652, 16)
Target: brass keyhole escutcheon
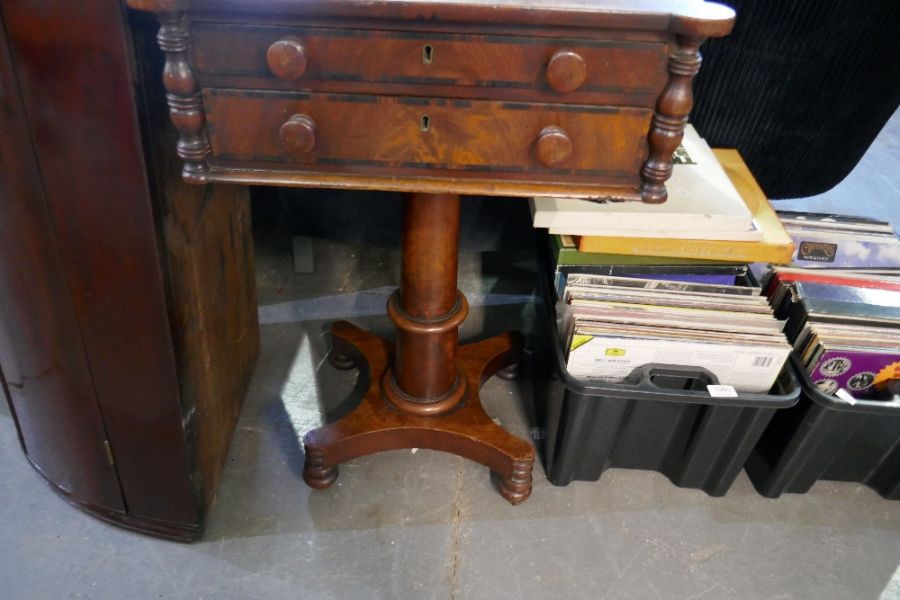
(427, 54)
(425, 123)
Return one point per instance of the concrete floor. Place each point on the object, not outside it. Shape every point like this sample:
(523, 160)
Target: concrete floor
(430, 525)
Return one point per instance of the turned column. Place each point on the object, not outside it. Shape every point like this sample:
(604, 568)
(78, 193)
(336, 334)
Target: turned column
(183, 95)
(427, 309)
(670, 118)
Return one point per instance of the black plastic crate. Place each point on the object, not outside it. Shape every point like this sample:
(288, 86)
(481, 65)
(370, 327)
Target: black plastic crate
(823, 437)
(663, 419)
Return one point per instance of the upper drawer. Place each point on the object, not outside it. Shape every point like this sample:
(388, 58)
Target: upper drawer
(560, 70)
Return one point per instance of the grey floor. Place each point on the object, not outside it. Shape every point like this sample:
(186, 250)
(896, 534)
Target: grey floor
(428, 525)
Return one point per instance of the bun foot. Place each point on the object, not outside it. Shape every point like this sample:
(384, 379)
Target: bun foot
(340, 361)
(344, 354)
(509, 373)
(517, 487)
(316, 473)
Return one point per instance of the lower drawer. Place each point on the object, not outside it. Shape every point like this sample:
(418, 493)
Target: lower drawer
(342, 131)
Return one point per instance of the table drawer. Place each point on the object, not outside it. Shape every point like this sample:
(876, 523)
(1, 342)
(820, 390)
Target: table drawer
(417, 133)
(568, 70)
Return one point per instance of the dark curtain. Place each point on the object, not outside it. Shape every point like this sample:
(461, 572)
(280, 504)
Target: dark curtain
(801, 88)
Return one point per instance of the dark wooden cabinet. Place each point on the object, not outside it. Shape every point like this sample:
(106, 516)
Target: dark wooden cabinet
(127, 306)
(42, 356)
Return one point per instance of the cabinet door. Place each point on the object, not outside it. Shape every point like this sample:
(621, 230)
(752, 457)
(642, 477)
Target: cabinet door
(41, 350)
(77, 80)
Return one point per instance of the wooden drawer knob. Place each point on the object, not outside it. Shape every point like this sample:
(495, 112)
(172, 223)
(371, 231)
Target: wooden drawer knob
(298, 135)
(553, 146)
(287, 58)
(566, 70)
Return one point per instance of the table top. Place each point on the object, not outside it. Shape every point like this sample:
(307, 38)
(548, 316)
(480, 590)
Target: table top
(699, 17)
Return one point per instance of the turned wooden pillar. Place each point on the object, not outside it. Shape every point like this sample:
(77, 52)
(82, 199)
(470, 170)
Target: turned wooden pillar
(423, 393)
(672, 110)
(427, 309)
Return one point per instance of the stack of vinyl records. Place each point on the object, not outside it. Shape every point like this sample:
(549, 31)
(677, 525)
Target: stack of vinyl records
(613, 325)
(823, 240)
(844, 326)
(566, 260)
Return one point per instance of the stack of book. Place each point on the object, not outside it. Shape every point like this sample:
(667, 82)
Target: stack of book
(614, 325)
(844, 326)
(715, 212)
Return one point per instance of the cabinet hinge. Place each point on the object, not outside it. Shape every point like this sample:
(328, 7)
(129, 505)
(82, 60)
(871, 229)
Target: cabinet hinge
(109, 454)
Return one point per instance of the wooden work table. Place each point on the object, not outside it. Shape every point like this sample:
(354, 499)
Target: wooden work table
(111, 210)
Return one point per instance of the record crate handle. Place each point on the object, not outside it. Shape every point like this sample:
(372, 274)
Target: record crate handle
(645, 382)
(678, 378)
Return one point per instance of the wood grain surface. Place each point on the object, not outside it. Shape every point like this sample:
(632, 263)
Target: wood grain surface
(388, 132)
(619, 70)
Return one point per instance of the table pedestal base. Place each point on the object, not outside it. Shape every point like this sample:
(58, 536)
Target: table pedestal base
(377, 424)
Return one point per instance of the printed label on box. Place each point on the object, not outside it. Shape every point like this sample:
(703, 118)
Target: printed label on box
(722, 391)
(817, 251)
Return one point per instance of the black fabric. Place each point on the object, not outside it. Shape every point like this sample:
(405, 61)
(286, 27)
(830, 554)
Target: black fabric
(801, 88)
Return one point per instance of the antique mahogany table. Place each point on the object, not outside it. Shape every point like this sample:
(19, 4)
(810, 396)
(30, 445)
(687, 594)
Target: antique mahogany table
(435, 98)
